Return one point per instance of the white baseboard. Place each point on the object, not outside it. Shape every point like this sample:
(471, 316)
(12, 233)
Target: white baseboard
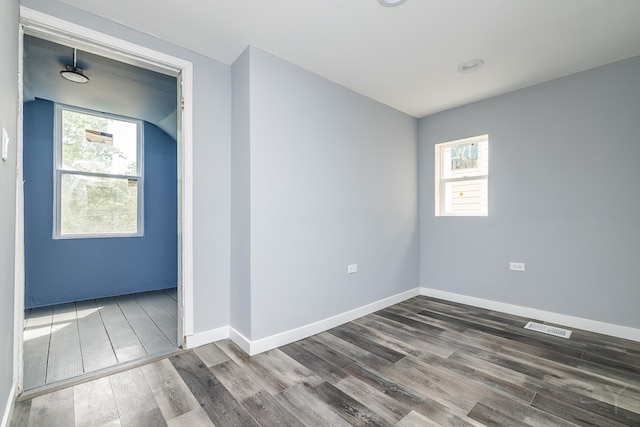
(8, 408)
(283, 338)
(625, 332)
(206, 337)
(263, 344)
(243, 342)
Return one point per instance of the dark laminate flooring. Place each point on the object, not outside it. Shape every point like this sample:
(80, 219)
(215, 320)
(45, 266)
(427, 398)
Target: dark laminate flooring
(422, 362)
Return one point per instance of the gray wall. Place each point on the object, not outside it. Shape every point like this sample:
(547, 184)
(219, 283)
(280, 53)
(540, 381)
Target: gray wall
(563, 198)
(8, 120)
(333, 181)
(240, 198)
(211, 162)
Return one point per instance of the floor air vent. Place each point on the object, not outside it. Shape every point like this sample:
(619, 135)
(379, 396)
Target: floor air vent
(546, 329)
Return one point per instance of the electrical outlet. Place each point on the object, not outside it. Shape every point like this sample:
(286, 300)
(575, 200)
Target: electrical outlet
(352, 268)
(516, 266)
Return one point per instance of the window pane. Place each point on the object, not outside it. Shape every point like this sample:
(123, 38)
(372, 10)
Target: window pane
(95, 205)
(98, 144)
(467, 197)
(468, 159)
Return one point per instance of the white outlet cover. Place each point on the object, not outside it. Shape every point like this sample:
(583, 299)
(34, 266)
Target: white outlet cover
(516, 266)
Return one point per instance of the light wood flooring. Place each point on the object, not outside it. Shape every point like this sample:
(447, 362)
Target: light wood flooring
(68, 340)
(423, 362)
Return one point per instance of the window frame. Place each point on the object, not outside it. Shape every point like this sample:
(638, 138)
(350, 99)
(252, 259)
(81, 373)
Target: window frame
(59, 171)
(440, 182)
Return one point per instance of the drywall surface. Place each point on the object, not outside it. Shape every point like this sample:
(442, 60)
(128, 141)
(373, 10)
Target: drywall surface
(211, 162)
(66, 270)
(240, 198)
(563, 198)
(8, 121)
(333, 181)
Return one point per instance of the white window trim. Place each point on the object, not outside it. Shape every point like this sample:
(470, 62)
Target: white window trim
(440, 182)
(58, 171)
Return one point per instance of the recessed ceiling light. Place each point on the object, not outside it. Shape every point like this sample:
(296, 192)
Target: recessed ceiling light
(471, 65)
(391, 3)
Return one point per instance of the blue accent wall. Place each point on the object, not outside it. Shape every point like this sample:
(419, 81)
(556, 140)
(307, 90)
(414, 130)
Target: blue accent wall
(59, 271)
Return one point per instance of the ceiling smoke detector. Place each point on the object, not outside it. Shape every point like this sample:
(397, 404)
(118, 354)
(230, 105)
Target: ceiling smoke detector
(391, 3)
(73, 73)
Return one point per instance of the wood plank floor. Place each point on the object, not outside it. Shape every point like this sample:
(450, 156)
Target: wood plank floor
(423, 362)
(67, 340)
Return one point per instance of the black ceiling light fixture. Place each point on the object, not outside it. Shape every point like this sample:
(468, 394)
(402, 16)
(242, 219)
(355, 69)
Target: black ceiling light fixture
(391, 3)
(73, 73)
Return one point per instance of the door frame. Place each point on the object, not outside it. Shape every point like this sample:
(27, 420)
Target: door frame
(38, 24)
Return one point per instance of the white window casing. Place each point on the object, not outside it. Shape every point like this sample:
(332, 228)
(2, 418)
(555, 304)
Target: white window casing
(109, 167)
(462, 177)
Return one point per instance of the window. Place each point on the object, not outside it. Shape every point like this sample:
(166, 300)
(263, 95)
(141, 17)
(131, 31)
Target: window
(462, 175)
(98, 175)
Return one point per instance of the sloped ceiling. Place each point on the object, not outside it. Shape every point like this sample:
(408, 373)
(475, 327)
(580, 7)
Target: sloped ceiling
(405, 56)
(114, 87)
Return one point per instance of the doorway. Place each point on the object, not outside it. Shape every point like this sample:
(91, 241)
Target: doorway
(157, 301)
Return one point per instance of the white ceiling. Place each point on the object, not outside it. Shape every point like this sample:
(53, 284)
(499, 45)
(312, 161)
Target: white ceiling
(405, 57)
